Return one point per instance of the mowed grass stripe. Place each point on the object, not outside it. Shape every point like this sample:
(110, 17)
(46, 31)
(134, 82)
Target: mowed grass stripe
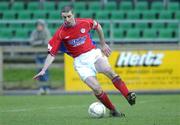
(149, 110)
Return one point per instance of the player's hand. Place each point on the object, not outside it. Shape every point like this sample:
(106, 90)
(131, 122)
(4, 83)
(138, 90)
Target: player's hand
(41, 73)
(106, 50)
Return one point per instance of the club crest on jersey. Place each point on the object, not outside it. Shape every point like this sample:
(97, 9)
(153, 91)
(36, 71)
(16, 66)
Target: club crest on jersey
(83, 30)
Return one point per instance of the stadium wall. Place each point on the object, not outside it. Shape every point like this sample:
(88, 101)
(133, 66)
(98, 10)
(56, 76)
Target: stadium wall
(144, 70)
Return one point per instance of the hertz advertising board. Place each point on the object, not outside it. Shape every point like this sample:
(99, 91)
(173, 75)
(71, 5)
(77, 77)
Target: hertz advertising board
(141, 70)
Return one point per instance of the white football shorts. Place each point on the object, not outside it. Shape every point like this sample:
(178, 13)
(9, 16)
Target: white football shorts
(84, 63)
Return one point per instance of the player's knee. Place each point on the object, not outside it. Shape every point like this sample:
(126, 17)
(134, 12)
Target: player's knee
(107, 70)
(110, 73)
(97, 90)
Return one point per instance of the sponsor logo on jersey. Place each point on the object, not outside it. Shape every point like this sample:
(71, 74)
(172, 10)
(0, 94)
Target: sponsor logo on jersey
(135, 59)
(83, 30)
(78, 41)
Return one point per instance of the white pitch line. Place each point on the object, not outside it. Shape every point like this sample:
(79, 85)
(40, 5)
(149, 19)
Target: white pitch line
(142, 102)
(54, 108)
(42, 108)
(145, 101)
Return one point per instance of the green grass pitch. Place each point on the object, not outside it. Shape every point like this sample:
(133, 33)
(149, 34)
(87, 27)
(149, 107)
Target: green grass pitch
(72, 110)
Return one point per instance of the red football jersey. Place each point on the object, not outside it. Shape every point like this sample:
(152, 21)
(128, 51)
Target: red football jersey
(76, 39)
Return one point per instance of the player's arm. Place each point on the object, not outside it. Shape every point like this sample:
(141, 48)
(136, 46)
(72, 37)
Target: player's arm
(53, 47)
(104, 47)
(48, 62)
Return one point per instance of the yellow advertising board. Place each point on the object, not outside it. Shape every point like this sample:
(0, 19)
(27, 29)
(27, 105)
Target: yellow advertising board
(141, 70)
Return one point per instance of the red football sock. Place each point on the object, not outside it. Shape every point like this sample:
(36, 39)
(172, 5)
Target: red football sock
(105, 100)
(120, 85)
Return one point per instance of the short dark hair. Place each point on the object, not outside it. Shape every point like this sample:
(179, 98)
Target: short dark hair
(67, 8)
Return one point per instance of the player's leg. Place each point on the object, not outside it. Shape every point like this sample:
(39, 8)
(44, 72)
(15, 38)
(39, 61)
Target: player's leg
(87, 75)
(92, 82)
(84, 65)
(102, 66)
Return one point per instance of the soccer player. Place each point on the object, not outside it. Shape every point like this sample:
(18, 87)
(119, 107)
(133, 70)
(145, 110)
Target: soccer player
(88, 60)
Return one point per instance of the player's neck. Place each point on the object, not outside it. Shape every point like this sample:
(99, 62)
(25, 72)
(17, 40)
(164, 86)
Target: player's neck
(73, 23)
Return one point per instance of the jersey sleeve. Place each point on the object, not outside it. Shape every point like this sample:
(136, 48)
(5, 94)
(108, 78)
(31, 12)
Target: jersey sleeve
(92, 24)
(54, 43)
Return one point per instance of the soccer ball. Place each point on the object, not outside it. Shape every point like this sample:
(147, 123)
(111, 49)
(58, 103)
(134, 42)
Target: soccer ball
(97, 110)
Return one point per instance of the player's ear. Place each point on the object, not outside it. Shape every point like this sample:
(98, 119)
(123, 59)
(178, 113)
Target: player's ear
(61, 15)
(73, 15)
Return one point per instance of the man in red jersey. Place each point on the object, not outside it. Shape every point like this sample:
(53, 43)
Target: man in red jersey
(88, 60)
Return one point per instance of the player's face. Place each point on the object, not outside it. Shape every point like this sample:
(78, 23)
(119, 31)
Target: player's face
(68, 18)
